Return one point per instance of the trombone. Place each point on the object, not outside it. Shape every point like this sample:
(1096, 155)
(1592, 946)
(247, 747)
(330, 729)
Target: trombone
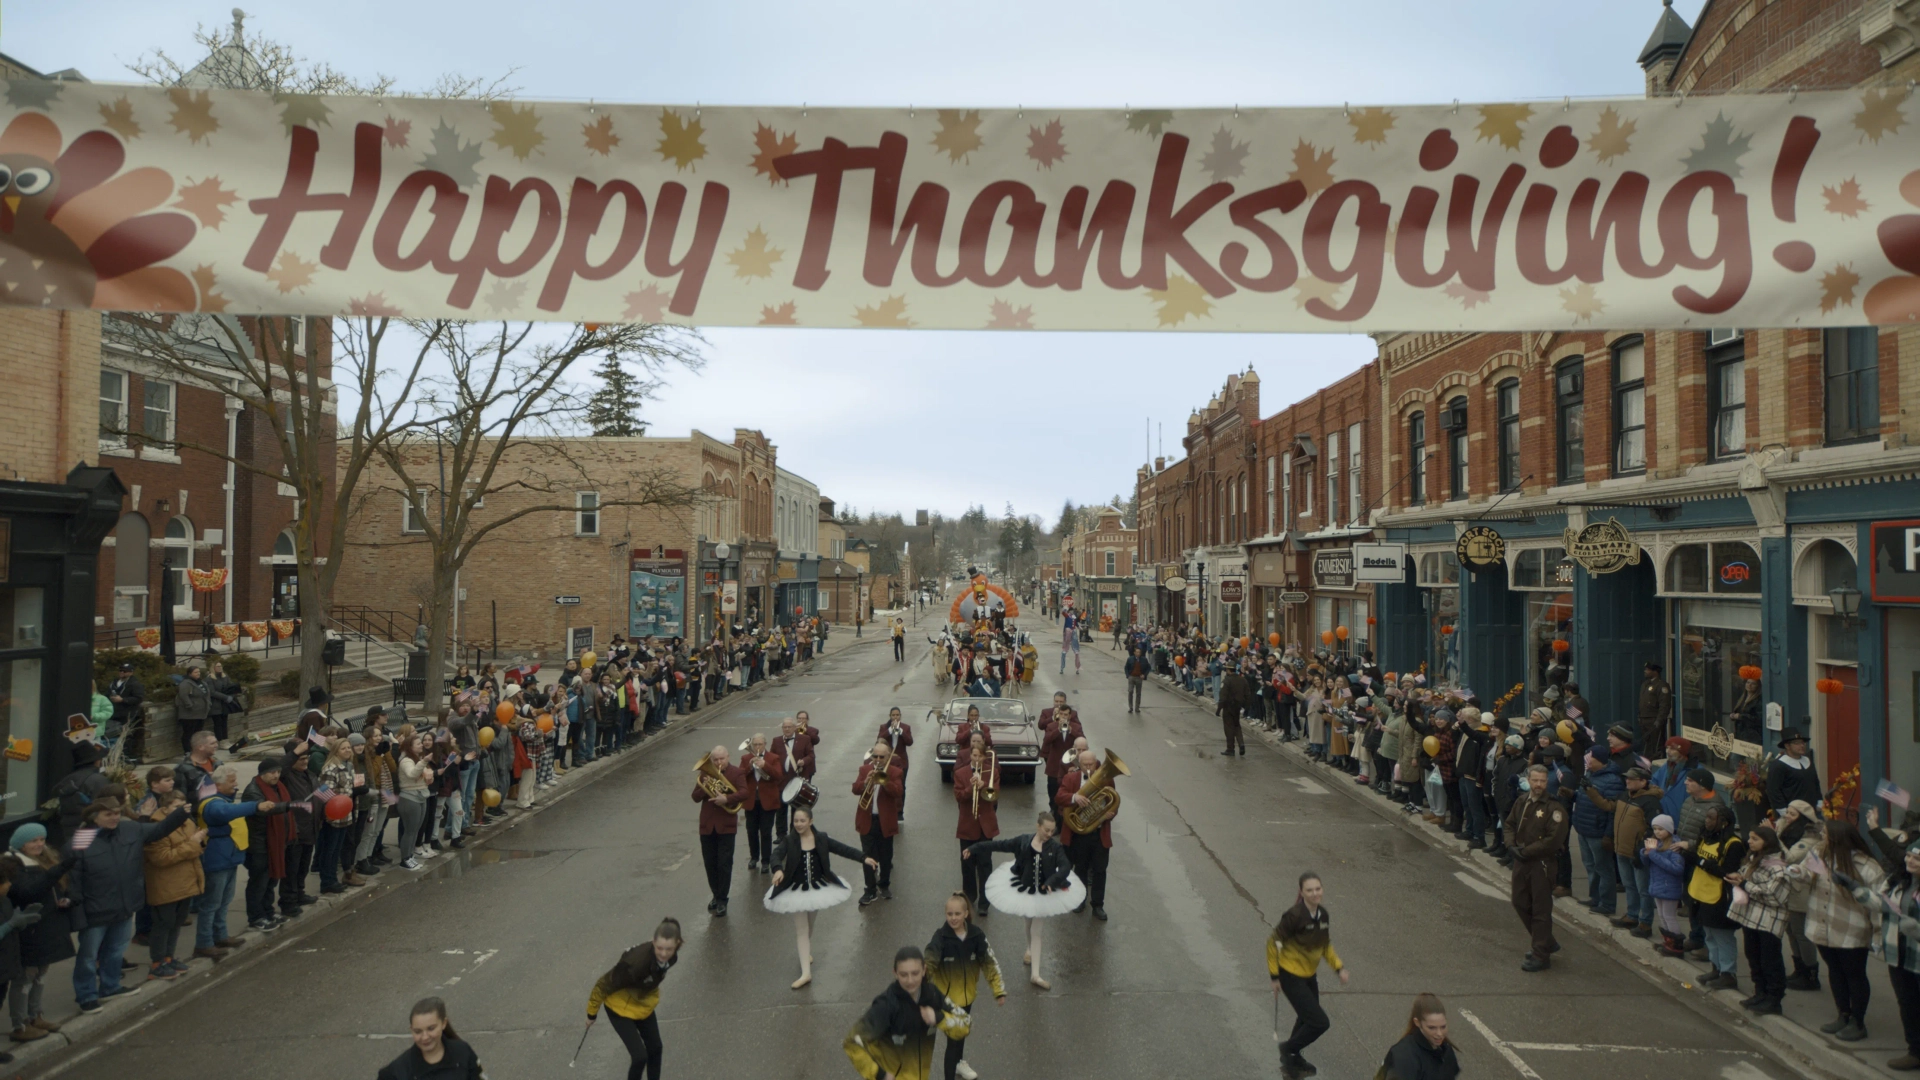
(874, 779)
(992, 786)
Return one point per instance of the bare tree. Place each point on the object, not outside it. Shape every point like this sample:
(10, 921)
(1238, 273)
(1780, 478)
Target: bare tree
(502, 397)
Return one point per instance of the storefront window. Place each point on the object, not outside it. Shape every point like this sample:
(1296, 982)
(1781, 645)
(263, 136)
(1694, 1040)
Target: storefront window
(1322, 618)
(1443, 616)
(1718, 707)
(1542, 568)
(1724, 567)
(1549, 625)
(22, 620)
(20, 707)
(1439, 568)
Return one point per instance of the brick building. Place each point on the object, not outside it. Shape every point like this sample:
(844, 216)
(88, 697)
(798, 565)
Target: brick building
(1097, 567)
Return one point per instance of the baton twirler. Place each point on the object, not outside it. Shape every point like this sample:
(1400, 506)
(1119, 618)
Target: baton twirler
(583, 1036)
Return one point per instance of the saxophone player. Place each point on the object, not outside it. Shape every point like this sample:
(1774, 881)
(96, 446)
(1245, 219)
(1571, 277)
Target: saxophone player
(876, 817)
(718, 824)
(1089, 851)
(976, 787)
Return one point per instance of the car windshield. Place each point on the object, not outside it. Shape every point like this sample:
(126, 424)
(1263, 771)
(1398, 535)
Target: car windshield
(992, 710)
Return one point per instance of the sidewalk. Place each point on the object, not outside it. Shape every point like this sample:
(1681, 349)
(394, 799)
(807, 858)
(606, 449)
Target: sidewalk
(1794, 1036)
(78, 1029)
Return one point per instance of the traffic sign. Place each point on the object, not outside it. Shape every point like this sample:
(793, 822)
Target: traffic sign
(566, 600)
(1293, 597)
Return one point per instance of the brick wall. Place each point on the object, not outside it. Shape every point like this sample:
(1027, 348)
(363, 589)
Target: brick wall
(50, 364)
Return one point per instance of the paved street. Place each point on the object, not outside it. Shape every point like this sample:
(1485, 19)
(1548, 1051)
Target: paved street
(1206, 852)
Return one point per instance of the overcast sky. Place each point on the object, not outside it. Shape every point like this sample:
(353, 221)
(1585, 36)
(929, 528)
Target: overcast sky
(900, 420)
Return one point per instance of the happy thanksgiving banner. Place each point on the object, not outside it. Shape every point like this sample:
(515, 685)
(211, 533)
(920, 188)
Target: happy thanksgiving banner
(1747, 211)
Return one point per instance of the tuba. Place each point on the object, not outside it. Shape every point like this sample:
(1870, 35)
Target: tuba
(715, 782)
(875, 778)
(1102, 800)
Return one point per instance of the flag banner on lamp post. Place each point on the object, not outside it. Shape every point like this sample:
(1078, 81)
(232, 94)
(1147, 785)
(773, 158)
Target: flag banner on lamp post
(1743, 210)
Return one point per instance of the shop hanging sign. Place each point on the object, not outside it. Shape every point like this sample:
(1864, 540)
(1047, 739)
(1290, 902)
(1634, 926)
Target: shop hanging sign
(1895, 566)
(1293, 596)
(1480, 547)
(729, 597)
(1333, 568)
(1380, 563)
(1718, 210)
(1233, 590)
(1602, 547)
(1175, 584)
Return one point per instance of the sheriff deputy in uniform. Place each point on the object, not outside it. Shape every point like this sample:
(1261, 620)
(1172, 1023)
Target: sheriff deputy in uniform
(1537, 830)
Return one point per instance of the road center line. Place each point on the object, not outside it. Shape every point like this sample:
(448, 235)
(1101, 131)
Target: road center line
(1500, 1047)
(1608, 1048)
(1481, 887)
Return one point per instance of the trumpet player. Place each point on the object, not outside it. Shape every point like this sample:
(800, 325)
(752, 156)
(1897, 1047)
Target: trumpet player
(718, 823)
(1059, 727)
(898, 735)
(876, 817)
(976, 787)
(1090, 850)
(765, 778)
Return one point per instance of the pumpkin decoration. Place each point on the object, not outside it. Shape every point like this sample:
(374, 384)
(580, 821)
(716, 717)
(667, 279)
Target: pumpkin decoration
(1829, 686)
(1561, 645)
(1369, 620)
(1447, 630)
(1749, 671)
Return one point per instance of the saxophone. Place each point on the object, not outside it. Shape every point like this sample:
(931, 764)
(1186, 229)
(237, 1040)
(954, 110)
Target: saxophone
(715, 782)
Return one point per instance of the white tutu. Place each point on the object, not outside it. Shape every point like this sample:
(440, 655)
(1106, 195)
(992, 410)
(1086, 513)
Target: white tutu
(1002, 894)
(817, 898)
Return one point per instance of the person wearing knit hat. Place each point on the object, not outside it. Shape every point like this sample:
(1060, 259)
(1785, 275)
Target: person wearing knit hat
(25, 834)
(36, 880)
(1666, 881)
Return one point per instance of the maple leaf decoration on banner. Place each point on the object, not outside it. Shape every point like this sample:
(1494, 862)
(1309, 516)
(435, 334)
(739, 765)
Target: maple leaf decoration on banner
(770, 146)
(1581, 302)
(192, 114)
(1468, 296)
(680, 140)
(303, 110)
(1720, 149)
(779, 316)
(33, 93)
(1150, 121)
(204, 281)
(206, 200)
(754, 259)
(888, 313)
(1312, 288)
(599, 135)
(959, 133)
(1501, 124)
(1225, 158)
(1312, 167)
(1004, 316)
(1836, 287)
(1844, 198)
(506, 295)
(515, 129)
(1880, 114)
(1370, 125)
(1612, 138)
(396, 132)
(118, 116)
(1047, 144)
(452, 156)
(1182, 299)
(291, 272)
(648, 303)
(373, 305)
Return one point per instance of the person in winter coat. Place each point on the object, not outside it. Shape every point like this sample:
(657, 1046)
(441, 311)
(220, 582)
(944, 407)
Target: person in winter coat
(1801, 832)
(1840, 925)
(1631, 813)
(78, 788)
(192, 704)
(108, 885)
(1509, 779)
(1670, 776)
(1471, 743)
(437, 1053)
(174, 878)
(1791, 776)
(1760, 907)
(262, 848)
(224, 698)
(297, 774)
(14, 921)
(1898, 944)
(1604, 781)
(222, 854)
(1424, 1052)
(39, 879)
(1719, 851)
(1666, 863)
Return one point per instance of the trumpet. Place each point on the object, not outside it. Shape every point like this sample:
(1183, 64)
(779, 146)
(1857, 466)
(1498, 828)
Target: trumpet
(874, 779)
(715, 782)
(992, 786)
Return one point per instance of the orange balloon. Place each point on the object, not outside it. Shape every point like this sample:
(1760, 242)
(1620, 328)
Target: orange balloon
(486, 737)
(490, 797)
(1180, 661)
(1273, 639)
(544, 722)
(1341, 632)
(1245, 641)
(503, 712)
(1326, 637)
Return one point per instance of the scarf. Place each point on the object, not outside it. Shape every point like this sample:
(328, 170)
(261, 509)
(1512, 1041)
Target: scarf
(279, 829)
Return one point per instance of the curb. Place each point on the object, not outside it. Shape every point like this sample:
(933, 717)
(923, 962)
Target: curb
(88, 1033)
(1778, 1037)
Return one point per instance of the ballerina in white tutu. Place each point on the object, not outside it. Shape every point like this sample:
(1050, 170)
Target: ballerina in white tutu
(806, 884)
(1038, 884)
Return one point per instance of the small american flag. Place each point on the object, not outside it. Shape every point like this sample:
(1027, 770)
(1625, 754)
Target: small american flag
(208, 789)
(323, 793)
(82, 839)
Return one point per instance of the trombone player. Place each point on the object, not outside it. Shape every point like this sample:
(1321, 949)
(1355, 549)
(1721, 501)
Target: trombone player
(1089, 850)
(876, 817)
(720, 790)
(976, 787)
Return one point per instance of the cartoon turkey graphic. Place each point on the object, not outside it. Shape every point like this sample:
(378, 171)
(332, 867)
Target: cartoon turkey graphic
(75, 232)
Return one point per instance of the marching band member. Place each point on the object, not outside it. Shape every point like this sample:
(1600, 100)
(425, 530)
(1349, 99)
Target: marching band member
(878, 822)
(805, 725)
(894, 1040)
(764, 781)
(1090, 852)
(806, 883)
(974, 784)
(957, 957)
(1036, 885)
(898, 734)
(794, 752)
(1059, 727)
(631, 992)
(717, 827)
(973, 726)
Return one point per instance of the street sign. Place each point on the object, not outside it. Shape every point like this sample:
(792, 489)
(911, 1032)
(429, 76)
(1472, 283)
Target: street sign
(566, 600)
(1293, 596)
(1175, 584)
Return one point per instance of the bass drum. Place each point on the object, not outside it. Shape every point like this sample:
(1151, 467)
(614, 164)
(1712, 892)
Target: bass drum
(799, 792)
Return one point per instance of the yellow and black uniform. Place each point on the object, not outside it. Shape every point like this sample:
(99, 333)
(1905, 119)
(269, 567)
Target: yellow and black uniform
(630, 990)
(954, 967)
(1294, 951)
(1537, 826)
(892, 1038)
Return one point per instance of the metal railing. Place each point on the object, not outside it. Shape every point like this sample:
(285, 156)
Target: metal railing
(372, 622)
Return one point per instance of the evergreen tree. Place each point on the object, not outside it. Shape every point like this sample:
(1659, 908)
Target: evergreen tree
(614, 409)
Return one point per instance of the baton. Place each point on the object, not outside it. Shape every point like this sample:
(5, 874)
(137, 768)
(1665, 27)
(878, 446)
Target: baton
(1276, 1018)
(583, 1036)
